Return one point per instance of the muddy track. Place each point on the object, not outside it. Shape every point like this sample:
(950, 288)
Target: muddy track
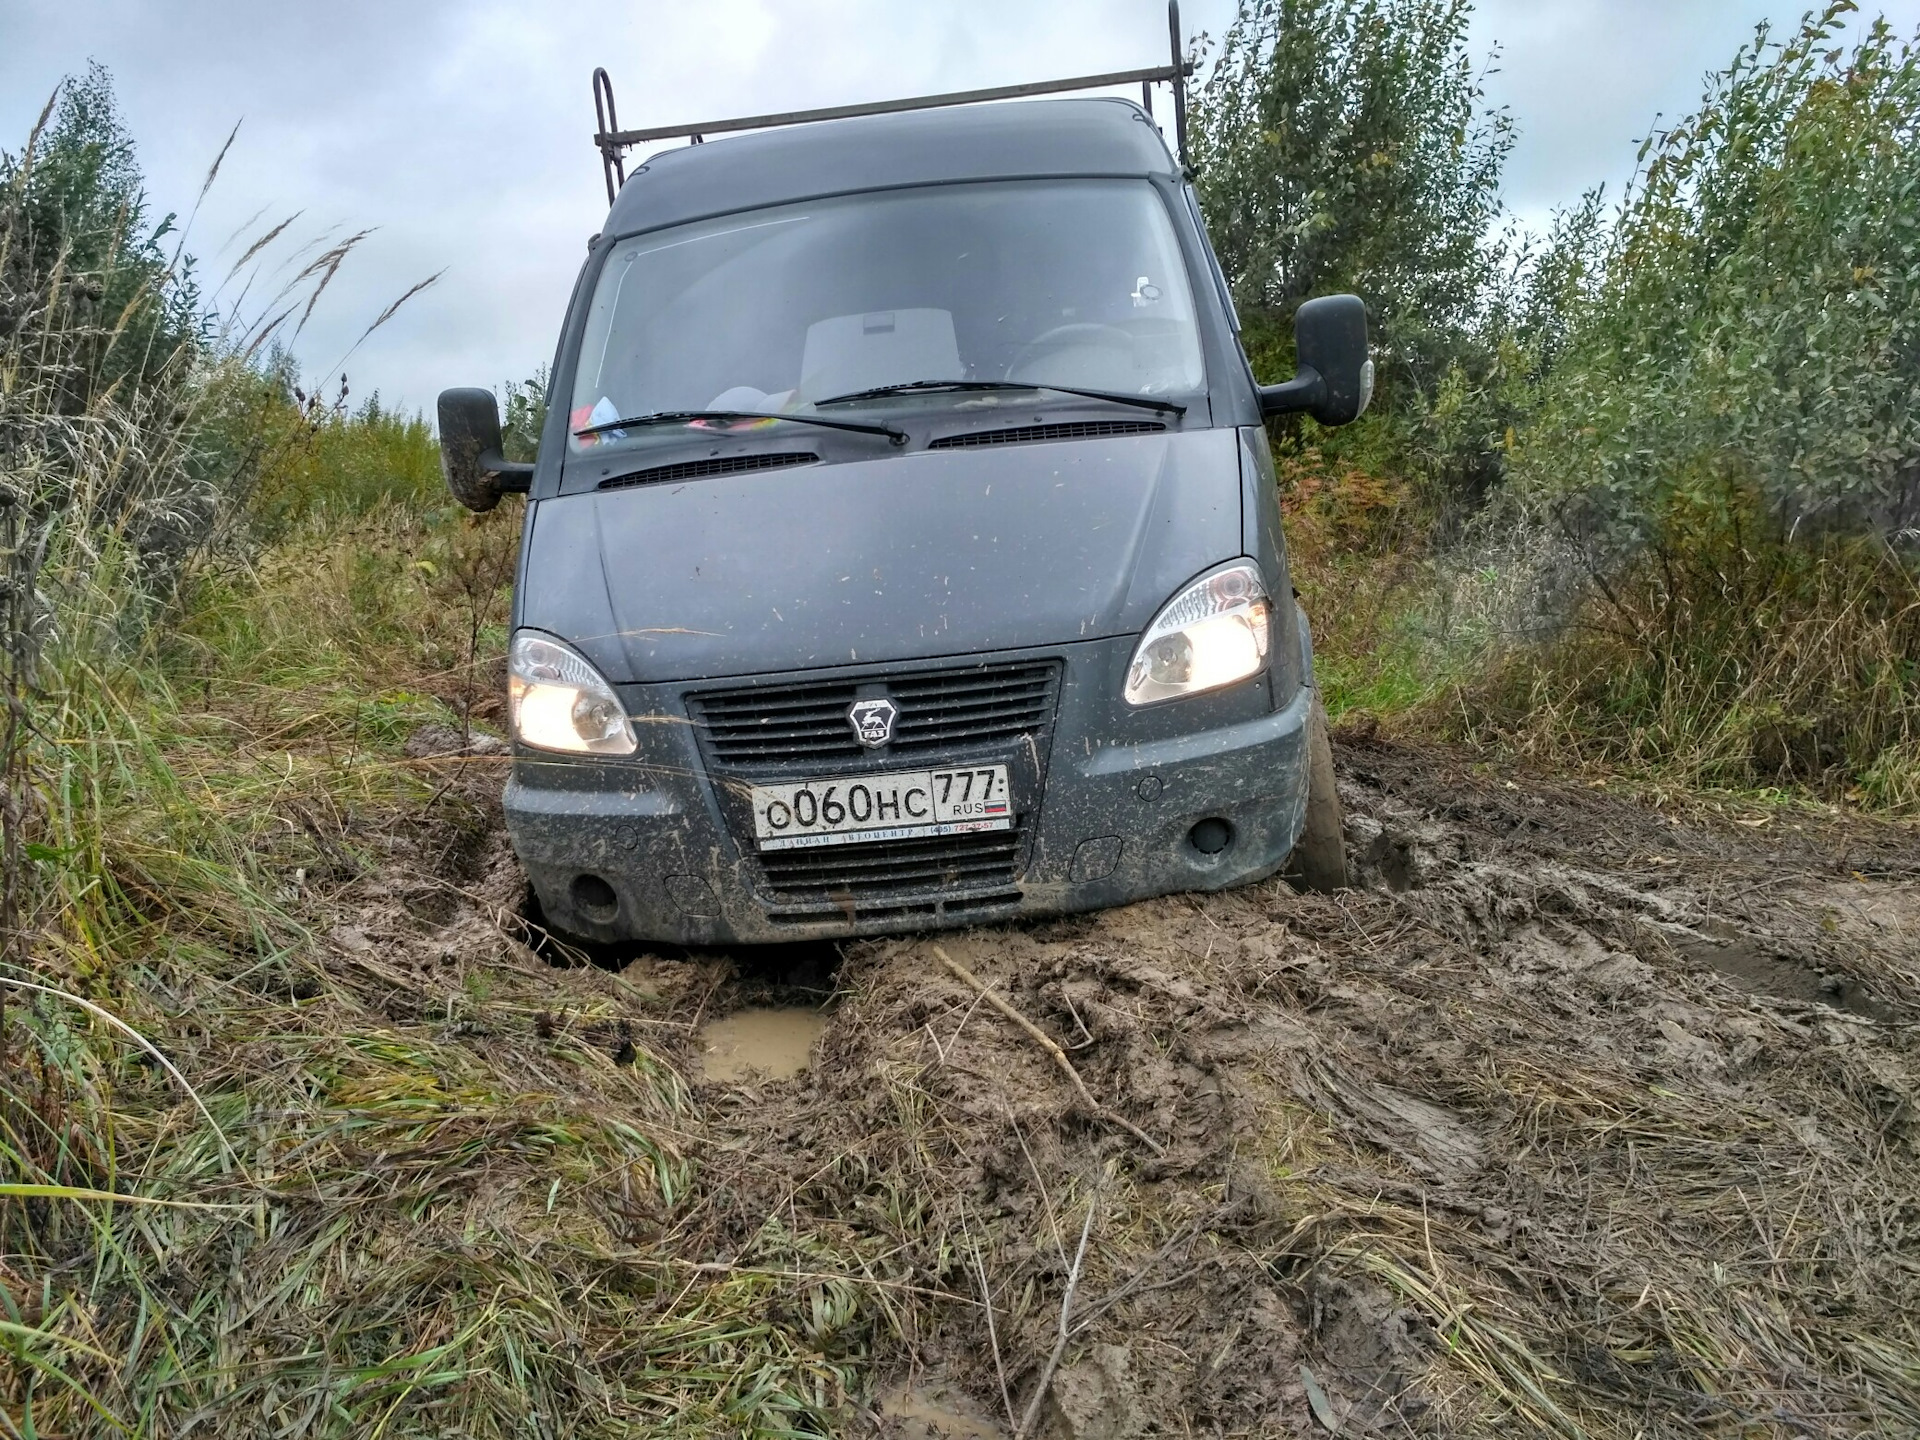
(1575, 1117)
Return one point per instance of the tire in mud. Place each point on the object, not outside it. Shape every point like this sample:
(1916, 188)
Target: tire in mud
(1319, 859)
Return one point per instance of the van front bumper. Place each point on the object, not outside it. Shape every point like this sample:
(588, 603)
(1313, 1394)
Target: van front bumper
(1117, 806)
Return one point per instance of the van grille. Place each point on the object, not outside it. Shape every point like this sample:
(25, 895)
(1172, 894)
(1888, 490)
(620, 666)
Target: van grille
(913, 912)
(861, 875)
(783, 725)
(1026, 434)
(694, 469)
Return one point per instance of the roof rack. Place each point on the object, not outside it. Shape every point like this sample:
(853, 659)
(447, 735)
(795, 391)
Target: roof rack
(613, 142)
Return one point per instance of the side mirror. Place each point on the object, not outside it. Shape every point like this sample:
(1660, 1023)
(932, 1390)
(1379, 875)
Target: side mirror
(477, 473)
(1335, 380)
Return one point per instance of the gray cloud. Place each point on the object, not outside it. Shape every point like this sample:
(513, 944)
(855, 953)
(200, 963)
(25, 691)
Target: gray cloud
(460, 130)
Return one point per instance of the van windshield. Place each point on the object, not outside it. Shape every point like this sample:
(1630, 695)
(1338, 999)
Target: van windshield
(1041, 282)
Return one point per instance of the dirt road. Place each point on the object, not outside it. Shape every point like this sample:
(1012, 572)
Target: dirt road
(1576, 1117)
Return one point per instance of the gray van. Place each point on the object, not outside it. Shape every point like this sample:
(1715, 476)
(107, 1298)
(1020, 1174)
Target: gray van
(903, 549)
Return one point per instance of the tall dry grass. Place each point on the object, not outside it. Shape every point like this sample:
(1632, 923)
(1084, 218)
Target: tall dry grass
(142, 434)
(1736, 662)
(251, 1181)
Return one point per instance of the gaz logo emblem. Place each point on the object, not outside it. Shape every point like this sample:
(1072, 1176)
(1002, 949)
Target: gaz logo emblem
(872, 721)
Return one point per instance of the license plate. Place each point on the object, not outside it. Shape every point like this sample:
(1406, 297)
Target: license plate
(898, 805)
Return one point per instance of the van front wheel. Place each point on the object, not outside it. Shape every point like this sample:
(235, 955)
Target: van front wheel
(1319, 859)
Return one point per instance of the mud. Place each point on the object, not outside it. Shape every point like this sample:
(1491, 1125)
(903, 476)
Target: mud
(1750, 963)
(936, 1411)
(1576, 1116)
(760, 1042)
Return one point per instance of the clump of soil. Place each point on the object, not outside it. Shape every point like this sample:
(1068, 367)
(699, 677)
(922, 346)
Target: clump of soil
(1575, 1117)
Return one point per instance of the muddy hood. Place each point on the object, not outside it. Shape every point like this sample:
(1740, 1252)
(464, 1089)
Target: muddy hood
(902, 558)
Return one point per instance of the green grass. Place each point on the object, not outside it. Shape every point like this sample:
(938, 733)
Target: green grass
(1396, 679)
(1384, 643)
(414, 1234)
(1729, 664)
(1735, 665)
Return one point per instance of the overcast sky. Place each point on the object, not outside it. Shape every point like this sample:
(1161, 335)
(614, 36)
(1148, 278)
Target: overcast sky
(459, 128)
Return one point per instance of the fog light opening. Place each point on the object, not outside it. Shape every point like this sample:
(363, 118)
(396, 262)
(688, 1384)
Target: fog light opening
(595, 897)
(1211, 837)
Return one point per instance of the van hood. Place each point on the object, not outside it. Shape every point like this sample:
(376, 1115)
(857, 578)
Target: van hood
(907, 557)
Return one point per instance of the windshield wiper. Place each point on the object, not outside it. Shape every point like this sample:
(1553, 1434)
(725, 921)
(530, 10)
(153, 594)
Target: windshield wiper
(671, 417)
(929, 387)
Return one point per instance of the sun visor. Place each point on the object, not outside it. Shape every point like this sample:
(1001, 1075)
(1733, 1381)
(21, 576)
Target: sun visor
(857, 352)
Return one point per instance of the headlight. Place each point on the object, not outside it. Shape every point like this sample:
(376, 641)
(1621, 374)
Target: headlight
(1213, 633)
(559, 701)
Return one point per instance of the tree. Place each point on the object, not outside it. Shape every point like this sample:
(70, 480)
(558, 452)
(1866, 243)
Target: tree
(81, 248)
(1346, 145)
(1752, 351)
(1726, 454)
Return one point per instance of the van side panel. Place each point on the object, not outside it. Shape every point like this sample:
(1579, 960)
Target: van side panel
(1265, 539)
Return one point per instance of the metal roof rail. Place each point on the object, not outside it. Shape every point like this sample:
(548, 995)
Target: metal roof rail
(613, 142)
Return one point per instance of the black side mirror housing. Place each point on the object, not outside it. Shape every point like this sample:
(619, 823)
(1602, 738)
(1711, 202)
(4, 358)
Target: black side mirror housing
(477, 473)
(1335, 379)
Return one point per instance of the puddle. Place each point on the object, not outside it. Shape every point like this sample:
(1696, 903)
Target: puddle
(762, 1042)
(1755, 969)
(936, 1412)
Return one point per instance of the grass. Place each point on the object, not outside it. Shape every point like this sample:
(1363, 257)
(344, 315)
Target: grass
(412, 1233)
(1718, 661)
(1762, 666)
(299, 1136)
(1359, 560)
(455, 1190)
(1395, 637)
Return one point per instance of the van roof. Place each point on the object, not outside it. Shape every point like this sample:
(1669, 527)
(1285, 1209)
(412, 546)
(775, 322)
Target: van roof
(1012, 140)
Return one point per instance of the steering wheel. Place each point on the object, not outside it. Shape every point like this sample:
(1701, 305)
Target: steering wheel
(1084, 333)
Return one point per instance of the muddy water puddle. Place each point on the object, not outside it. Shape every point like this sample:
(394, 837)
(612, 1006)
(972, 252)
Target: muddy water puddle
(761, 1042)
(1755, 968)
(936, 1412)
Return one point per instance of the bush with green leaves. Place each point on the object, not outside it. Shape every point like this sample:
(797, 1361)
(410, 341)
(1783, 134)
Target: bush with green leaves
(327, 457)
(100, 333)
(526, 414)
(83, 263)
(1726, 452)
(1753, 352)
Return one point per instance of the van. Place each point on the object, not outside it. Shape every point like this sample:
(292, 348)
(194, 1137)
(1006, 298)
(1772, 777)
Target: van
(903, 549)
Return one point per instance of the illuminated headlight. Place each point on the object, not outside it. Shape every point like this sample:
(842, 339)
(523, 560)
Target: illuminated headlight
(1213, 633)
(560, 702)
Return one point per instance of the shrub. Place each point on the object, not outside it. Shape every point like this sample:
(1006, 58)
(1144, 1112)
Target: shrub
(1755, 344)
(525, 414)
(1728, 453)
(323, 458)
